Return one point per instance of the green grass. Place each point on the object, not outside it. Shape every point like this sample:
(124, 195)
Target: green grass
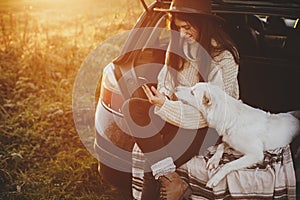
(42, 46)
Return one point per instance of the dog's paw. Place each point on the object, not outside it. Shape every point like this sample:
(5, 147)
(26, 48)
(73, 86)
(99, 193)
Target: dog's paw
(213, 163)
(213, 182)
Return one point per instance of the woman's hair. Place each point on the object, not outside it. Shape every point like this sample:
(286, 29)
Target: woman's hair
(209, 29)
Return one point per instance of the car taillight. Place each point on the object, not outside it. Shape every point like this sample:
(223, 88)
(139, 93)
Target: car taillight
(110, 95)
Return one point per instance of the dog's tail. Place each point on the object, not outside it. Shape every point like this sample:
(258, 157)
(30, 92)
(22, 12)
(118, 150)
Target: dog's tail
(296, 114)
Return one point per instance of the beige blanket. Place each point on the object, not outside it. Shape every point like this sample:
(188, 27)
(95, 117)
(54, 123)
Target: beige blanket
(272, 179)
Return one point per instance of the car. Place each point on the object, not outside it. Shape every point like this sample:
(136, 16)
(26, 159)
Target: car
(267, 35)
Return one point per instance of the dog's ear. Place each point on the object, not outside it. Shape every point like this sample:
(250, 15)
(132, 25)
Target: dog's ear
(206, 99)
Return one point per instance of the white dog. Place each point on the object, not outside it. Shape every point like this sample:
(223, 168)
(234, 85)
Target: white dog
(247, 130)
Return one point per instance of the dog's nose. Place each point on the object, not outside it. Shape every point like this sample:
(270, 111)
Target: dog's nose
(192, 92)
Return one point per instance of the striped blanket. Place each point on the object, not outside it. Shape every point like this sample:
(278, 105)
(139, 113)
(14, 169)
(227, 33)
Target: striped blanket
(272, 179)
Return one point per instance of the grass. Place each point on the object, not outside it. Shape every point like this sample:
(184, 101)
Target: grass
(42, 46)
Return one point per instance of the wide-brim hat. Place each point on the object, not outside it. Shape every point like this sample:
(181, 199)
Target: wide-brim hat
(201, 7)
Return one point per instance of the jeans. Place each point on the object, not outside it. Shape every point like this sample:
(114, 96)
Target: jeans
(171, 141)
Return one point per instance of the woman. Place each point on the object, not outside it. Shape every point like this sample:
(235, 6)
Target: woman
(199, 30)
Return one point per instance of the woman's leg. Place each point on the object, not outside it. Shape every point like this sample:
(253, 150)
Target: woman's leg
(147, 129)
(151, 187)
(139, 112)
(173, 186)
(194, 148)
(149, 139)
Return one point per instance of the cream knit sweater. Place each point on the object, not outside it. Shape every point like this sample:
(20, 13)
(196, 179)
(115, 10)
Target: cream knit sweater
(223, 72)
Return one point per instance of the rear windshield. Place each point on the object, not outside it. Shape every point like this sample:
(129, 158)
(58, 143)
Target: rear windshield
(264, 35)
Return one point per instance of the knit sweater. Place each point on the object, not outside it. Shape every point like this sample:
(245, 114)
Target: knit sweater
(223, 72)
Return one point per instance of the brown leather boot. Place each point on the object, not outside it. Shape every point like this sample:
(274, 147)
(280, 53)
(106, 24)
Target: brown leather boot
(173, 187)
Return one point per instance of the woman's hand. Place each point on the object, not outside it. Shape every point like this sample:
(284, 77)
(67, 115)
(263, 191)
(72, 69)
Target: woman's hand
(154, 96)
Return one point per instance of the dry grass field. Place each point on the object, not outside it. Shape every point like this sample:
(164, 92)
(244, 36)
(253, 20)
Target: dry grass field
(42, 46)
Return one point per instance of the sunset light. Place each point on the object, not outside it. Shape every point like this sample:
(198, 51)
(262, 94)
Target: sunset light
(149, 99)
(42, 46)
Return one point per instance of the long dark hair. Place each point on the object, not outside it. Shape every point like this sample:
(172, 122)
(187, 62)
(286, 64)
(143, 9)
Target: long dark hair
(209, 28)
